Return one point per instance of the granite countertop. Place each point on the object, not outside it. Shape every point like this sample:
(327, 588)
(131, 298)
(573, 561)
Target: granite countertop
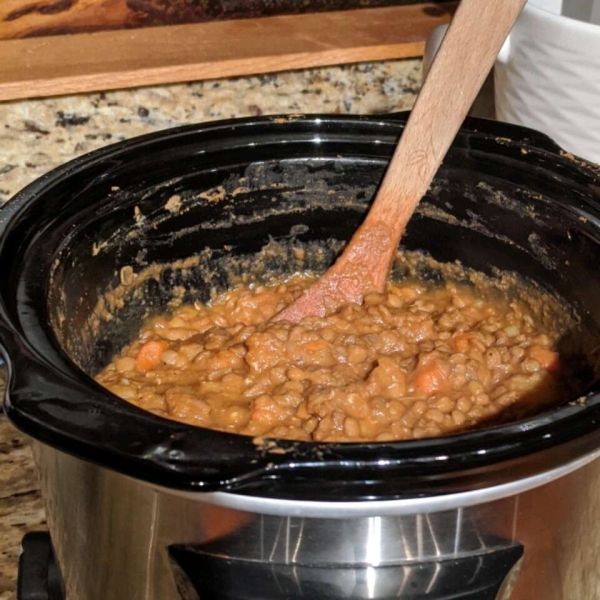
(37, 135)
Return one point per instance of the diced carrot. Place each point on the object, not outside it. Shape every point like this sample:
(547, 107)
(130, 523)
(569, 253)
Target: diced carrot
(461, 342)
(316, 346)
(430, 379)
(548, 359)
(149, 355)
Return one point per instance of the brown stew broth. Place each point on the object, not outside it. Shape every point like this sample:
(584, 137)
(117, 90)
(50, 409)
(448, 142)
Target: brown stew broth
(416, 361)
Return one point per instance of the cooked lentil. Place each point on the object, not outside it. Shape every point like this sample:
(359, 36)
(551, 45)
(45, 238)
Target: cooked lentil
(416, 361)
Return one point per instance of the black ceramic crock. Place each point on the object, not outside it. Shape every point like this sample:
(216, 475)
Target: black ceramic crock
(505, 197)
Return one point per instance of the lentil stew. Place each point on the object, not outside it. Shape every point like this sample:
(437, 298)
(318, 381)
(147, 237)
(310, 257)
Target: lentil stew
(419, 360)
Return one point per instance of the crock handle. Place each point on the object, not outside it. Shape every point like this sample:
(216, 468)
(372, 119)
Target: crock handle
(488, 575)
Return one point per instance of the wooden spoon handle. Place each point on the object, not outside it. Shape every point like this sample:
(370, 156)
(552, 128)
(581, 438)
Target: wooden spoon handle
(464, 59)
(462, 64)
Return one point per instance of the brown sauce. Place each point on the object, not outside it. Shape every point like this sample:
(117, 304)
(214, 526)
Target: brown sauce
(416, 361)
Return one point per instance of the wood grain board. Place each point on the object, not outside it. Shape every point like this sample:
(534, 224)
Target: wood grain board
(32, 18)
(29, 18)
(61, 64)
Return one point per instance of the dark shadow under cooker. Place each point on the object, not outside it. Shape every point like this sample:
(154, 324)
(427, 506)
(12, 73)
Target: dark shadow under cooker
(178, 501)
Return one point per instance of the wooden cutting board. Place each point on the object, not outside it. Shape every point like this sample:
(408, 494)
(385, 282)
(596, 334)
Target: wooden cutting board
(54, 63)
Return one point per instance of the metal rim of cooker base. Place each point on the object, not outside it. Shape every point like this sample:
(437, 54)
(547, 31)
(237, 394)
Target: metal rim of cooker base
(323, 509)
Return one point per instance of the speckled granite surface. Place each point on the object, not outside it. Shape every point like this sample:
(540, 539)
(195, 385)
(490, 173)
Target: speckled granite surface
(21, 508)
(37, 135)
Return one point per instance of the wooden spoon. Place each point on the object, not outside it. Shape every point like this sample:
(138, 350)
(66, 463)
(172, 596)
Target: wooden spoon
(459, 69)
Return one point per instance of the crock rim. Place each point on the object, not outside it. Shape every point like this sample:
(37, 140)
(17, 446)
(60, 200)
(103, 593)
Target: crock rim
(162, 464)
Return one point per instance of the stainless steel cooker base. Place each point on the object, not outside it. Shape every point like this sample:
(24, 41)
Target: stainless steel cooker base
(117, 537)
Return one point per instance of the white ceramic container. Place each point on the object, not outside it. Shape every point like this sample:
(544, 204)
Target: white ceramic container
(547, 75)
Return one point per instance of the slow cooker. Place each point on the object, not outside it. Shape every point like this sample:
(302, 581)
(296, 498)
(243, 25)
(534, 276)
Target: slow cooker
(142, 508)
